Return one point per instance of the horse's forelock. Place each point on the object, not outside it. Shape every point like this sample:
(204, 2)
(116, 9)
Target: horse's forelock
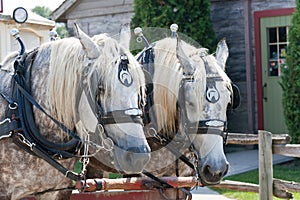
(111, 52)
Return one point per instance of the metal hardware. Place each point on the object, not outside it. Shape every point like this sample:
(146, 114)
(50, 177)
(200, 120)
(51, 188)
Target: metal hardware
(7, 120)
(25, 141)
(174, 28)
(13, 106)
(140, 36)
(154, 133)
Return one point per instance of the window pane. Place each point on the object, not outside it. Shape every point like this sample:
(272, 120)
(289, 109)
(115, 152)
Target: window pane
(282, 51)
(282, 34)
(272, 35)
(273, 52)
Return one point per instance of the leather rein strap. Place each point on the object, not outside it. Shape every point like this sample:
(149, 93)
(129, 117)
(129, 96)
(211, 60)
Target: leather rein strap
(27, 135)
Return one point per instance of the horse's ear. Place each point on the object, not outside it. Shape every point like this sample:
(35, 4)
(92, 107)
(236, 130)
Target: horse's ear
(125, 36)
(89, 46)
(222, 53)
(183, 59)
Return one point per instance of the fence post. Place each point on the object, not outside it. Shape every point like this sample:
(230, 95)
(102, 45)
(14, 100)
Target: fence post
(265, 165)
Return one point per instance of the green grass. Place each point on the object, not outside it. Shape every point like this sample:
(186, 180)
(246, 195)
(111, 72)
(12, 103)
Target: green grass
(288, 171)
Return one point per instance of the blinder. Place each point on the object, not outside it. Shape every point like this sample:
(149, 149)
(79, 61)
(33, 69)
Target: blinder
(131, 115)
(210, 126)
(235, 96)
(212, 95)
(124, 75)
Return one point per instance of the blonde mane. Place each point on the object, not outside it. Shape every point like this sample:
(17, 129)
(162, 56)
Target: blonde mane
(167, 78)
(68, 64)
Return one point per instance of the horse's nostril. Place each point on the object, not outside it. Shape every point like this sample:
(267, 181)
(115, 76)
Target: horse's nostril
(220, 174)
(215, 173)
(226, 170)
(206, 169)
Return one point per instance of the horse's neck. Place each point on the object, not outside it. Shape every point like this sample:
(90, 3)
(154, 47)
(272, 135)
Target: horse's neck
(39, 70)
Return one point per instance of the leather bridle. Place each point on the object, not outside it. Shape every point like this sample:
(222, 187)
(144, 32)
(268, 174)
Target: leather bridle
(209, 126)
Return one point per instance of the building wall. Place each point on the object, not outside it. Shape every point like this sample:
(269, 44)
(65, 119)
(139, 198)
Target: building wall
(104, 16)
(228, 18)
(33, 32)
(32, 35)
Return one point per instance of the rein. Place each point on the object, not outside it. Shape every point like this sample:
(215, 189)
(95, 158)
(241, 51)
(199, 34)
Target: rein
(20, 123)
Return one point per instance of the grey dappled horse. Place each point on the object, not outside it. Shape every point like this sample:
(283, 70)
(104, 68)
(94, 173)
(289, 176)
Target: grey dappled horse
(93, 87)
(188, 104)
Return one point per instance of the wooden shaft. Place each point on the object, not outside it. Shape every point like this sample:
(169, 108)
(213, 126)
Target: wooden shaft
(136, 183)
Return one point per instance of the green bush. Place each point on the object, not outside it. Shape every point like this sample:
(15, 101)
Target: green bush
(192, 17)
(291, 79)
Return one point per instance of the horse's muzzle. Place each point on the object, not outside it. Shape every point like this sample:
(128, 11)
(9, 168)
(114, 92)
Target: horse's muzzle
(133, 160)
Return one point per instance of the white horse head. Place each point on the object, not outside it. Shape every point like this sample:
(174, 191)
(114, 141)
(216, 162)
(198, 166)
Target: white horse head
(204, 107)
(108, 99)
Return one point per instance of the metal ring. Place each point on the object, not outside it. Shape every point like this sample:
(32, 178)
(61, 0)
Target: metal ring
(139, 39)
(13, 106)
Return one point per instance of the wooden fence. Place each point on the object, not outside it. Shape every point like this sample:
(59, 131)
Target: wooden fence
(268, 144)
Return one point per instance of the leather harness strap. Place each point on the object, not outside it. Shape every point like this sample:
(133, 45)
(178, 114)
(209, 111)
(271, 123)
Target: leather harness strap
(22, 131)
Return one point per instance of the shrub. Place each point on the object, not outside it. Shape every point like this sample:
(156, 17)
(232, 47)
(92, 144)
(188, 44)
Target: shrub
(291, 79)
(192, 17)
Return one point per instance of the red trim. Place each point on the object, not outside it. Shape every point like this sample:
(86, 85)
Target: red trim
(257, 16)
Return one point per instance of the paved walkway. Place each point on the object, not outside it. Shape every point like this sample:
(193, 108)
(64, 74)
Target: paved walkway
(240, 162)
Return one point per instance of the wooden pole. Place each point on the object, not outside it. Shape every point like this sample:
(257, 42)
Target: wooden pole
(265, 165)
(237, 186)
(291, 150)
(250, 139)
(134, 183)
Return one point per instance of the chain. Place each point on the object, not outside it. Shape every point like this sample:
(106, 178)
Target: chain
(25, 141)
(154, 133)
(85, 157)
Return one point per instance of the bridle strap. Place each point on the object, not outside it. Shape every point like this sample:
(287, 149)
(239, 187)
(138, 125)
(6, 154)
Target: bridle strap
(121, 116)
(205, 131)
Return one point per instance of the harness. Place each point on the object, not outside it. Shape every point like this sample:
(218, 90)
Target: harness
(210, 126)
(19, 123)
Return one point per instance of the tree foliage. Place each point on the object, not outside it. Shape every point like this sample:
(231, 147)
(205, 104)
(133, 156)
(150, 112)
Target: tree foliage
(192, 17)
(42, 11)
(291, 78)
(46, 12)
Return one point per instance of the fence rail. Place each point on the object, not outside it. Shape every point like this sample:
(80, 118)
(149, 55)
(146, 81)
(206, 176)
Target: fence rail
(268, 144)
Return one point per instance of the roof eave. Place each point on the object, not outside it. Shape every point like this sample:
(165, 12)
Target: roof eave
(58, 14)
